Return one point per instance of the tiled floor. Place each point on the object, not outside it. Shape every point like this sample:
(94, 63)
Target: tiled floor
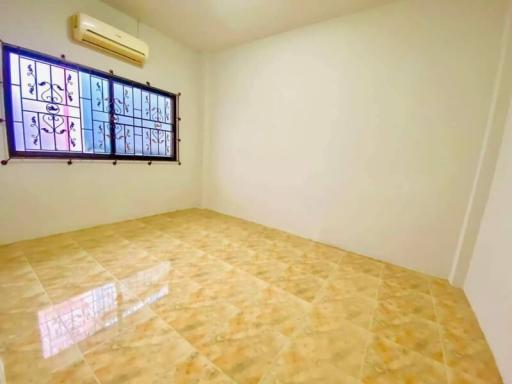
(198, 297)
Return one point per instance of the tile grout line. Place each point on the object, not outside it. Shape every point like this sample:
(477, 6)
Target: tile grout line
(291, 337)
(207, 254)
(163, 320)
(117, 281)
(441, 338)
(66, 328)
(365, 354)
(280, 352)
(286, 344)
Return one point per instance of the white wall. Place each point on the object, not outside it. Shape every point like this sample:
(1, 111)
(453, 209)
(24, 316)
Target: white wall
(489, 283)
(488, 158)
(43, 197)
(362, 131)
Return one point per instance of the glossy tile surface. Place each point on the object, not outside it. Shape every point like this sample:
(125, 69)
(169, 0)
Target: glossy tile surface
(198, 297)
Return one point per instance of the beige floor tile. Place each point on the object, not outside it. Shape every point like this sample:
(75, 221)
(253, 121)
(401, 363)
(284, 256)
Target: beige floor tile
(194, 296)
(458, 318)
(246, 359)
(408, 303)
(197, 369)
(16, 273)
(355, 264)
(19, 331)
(305, 288)
(412, 332)
(137, 361)
(397, 285)
(31, 367)
(285, 317)
(201, 325)
(182, 293)
(329, 315)
(458, 377)
(291, 370)
(340, 286)
(22, 298)
(269, 271)
(58, 275)
(470, 356)
(324, 253)
(12, 253)
(319, 269)
(390, 363)
(341, 349)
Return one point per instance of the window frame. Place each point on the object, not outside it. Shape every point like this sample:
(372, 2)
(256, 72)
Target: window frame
(111, 78)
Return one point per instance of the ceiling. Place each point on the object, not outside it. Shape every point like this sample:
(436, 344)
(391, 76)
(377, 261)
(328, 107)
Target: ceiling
(210, 25)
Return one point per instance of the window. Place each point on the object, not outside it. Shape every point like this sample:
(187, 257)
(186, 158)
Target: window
(61, 110)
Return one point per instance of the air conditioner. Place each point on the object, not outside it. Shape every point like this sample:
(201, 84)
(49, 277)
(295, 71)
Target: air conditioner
(94, 32)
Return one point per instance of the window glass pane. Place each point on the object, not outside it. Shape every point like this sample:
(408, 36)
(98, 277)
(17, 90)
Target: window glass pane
(51, 106)
(143, 121)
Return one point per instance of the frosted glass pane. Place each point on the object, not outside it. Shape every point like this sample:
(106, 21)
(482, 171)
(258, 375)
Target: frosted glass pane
(88, 141)
(161, 108)
(128, 101)
(137, 102)
(106, 98)
(85, 85)
(72, 88)
(15, 68)
(156, 137)
(120, 144)
(107, 138)
(19, 138)
(31, 131)
(118, 98)
(16, 103)
(154, 107)
(44, 82)
(168, 144)
(28, 78)
(75, 134)
(86, 113)
(146, 108)
(99, 137)
(128, 139)
(100, 116)
(125, 120)
(138, 141)
(146, 141)
(97, 93)
(57, 85)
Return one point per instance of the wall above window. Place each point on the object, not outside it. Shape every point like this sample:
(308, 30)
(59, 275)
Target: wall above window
(57, 109)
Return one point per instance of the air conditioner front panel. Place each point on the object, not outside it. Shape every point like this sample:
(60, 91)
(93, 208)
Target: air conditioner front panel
(107, 38)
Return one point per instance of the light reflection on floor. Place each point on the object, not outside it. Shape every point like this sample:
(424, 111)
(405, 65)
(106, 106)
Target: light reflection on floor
(81, 316)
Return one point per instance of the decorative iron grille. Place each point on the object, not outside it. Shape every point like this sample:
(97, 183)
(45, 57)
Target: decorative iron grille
(59, 109)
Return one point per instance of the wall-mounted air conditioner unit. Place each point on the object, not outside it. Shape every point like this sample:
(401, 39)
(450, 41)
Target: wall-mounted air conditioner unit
(94, 32)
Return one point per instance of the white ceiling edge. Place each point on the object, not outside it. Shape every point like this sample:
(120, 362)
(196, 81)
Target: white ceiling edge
(213, 25)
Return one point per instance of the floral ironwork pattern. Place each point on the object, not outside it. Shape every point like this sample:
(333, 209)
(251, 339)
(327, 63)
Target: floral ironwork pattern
(143, 121)
(56, 107)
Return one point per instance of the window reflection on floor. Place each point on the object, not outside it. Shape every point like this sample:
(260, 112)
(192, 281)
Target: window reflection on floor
(2, 373)
(81, 316)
